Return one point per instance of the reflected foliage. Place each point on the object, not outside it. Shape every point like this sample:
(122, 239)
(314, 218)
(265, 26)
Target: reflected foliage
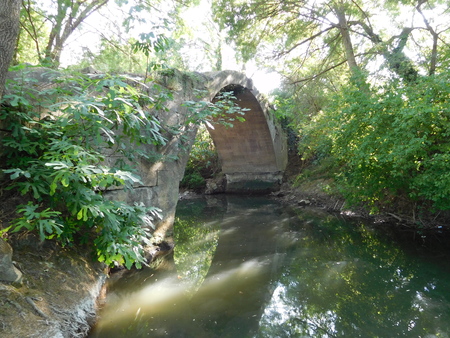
(301, 273)
(196, 242)
(344, 283)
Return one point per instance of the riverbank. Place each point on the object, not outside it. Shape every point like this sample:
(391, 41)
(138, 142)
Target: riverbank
(317, 188)
(60, 289)
(58, 292)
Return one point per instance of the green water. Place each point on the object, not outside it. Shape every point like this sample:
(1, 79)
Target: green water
(247, 267)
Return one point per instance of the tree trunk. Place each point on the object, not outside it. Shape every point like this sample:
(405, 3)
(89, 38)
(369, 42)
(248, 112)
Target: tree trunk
(9, 29)
(346, 40)
(396, 59)
(69, 17)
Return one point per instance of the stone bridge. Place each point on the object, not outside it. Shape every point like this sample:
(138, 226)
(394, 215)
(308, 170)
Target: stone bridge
(253, 153)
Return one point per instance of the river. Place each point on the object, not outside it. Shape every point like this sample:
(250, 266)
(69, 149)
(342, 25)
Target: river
(249, 267)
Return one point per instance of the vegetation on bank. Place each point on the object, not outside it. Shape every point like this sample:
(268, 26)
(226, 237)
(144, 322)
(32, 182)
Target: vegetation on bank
(203, 162)
(68, 140)
(385, 148)
(368, 102)
(55, 143)
(368, 99)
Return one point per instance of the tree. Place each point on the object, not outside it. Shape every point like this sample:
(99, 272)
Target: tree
(371, 97)
(50, 26)
(201, 38)
(337, 33)
(33, 34)
(9, 29)
(68, 17)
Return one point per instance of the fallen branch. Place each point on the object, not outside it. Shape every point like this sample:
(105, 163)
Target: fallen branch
(395, 216)
(36, 308)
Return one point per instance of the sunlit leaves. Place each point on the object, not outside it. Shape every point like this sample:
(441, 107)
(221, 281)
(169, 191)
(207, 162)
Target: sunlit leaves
(57, 160)
(222, 110)
(46, 221)
(392, 142)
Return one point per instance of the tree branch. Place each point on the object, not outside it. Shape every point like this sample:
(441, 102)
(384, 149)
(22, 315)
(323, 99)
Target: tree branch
(305, 41)
(319, 74)
(434, 34)
(34, 34)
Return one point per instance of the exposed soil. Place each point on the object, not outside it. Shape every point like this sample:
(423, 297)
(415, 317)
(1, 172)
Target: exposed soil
(57, 297)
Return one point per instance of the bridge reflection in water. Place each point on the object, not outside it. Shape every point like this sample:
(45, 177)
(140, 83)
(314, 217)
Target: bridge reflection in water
(247, 267)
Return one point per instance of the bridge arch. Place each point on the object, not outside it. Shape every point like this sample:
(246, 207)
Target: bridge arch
(253, 153)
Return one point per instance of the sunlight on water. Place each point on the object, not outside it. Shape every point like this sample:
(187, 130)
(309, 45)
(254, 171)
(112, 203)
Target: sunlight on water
(159, 296)
(251, 268)
(151, 299)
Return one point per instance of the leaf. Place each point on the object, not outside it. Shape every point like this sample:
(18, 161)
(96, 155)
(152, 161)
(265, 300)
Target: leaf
(58, 165)
(15, 175)
(80, 214)
(65, 181)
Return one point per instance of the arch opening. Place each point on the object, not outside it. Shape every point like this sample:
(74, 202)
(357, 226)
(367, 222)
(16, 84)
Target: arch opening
(248, 150)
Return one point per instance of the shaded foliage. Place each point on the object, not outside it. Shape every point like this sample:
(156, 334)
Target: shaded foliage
(54, 148)
(203, 162)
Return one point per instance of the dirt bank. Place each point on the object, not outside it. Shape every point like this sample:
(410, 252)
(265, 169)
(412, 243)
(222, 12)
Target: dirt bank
(58, 294)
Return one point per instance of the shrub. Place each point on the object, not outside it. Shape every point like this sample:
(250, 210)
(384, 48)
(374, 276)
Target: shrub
(52, 149)
(391, 141)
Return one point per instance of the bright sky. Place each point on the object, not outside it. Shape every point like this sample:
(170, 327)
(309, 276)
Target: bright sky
(195, 18)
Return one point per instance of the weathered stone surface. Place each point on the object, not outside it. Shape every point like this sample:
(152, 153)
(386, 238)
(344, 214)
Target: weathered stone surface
(216, 185)
(253, 153)
(253, 183)
(8, 272)
(259, 143)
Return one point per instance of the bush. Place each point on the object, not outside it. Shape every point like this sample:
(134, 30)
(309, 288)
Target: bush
(56, 160)
(391, 142)
(203, 162)
(193, 180)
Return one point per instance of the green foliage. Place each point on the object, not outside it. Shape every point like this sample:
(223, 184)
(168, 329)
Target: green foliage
(32, 36)
(390, 141)
(151, 52)
(203, 162)
(53, 151)
(203, 153)
(153, 45)
(223, 110)
(296, 109)
(192, 179)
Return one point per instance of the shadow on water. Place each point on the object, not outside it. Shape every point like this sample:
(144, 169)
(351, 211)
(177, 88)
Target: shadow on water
(247, 267)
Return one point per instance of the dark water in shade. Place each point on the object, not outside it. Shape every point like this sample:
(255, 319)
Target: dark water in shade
(247, 267)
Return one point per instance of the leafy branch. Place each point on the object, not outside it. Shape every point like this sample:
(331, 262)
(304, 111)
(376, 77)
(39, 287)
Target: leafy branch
(56, 160)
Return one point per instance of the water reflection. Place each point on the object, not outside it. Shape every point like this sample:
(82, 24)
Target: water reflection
(250, 268)
(197, 244)
(347, 282)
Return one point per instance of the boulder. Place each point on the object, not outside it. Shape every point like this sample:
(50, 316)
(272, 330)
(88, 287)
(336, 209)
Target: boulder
(8, 272)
